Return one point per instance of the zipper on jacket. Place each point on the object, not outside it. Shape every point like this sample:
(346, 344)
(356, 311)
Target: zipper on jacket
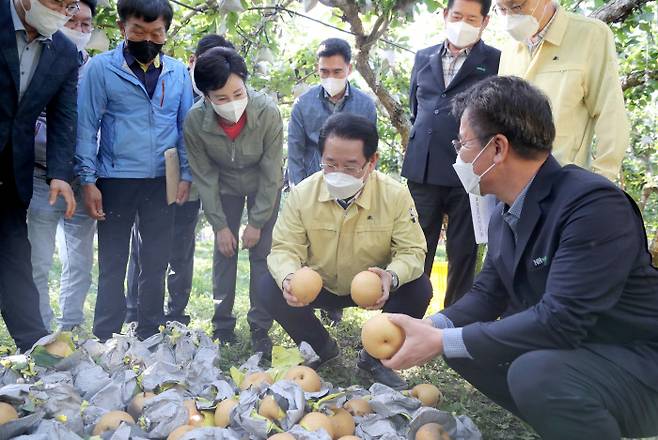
(232, 151)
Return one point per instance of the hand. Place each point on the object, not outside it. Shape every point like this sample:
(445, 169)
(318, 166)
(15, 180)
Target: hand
(226, 242)
(387, 279)
(93, 201)
(183, 192)
(60, 187)
(422, 342)
(250, 237)
(288, 296)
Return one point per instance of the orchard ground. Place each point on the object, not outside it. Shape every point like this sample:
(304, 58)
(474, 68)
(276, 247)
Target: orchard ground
(459, 396)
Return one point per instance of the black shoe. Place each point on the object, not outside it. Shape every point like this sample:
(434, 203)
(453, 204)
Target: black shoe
(225, 336)
(183, 319)
(380, 373)
(333, 316)
(328, 354)
(261, 342)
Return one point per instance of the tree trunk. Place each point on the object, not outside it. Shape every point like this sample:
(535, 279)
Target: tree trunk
(617, 10)
(364, 43)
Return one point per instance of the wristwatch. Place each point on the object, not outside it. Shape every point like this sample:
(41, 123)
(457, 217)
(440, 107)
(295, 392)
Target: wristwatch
(395, 281)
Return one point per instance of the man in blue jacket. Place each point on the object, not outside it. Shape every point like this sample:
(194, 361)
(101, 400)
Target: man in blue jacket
(138, 97)
(560, 327)
(38, 69)
(440, 73)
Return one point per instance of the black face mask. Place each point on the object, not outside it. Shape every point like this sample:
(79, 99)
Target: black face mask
(144, 51)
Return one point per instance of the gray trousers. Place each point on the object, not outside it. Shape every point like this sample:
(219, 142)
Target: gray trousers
(225, 269)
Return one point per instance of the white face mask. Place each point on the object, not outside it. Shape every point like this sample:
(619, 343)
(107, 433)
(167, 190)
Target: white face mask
(462, 34)
(44, 20)
(466, 174)
(231, 111)
(334, 86)
(521, 27)
(197, 91)
(342, 186)
(80, 39)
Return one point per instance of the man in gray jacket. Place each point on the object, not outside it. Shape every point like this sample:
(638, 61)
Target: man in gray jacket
(334, 94)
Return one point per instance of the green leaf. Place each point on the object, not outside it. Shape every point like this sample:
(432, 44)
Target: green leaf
(236, 375)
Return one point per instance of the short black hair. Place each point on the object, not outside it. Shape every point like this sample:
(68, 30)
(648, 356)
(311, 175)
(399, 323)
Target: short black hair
(209, 41)
(513, 107)
(92, 6)
(485, 5)
(147, 10)
(350, 126)
(335, 46)
(213, 67)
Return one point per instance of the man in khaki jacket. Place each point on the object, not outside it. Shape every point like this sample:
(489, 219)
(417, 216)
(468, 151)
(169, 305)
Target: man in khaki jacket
(572, 59)
(340, 221)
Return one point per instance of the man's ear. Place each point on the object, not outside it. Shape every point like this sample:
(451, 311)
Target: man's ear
(485, 23)
(502, 148)
(122, 28)
(349, 69)
(373, 161)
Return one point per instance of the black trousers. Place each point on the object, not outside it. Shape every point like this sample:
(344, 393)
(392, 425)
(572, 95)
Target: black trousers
(568, 394)
(301, 324)
(181, 264)
(123, 200)
(224, 269)
(432, 203)
(19, 298)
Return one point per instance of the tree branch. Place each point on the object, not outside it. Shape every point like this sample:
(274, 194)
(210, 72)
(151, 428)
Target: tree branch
(188, 16)
(364, 44)
(638, 78)
(617, 10)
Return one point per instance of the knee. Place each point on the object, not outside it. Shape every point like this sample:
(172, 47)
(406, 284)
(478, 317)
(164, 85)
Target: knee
(531, 375)
(421, 291)
(268, 290)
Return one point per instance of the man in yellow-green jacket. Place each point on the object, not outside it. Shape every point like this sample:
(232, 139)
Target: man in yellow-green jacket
(340, 221)
(573, 60)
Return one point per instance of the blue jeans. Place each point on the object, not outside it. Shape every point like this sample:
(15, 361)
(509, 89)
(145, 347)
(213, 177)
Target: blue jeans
(74, 238)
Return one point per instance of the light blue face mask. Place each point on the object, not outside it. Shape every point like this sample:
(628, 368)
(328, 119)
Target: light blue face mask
(471, 181)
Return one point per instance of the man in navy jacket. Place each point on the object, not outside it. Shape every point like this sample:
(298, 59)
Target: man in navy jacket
(561, 325)
(440, 72)
(38, 69)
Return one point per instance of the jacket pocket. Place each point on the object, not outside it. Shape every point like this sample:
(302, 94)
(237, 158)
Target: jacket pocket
(374, 241)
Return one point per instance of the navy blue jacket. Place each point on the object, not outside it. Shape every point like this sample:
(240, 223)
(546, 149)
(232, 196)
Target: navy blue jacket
(430, 153)
(579, 276)
(53, 87)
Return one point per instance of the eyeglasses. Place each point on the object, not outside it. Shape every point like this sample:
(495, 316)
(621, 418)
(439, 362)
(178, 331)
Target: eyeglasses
(459, 144)
(71, 9)
(514, 10)
(352, 171)
(84, 26)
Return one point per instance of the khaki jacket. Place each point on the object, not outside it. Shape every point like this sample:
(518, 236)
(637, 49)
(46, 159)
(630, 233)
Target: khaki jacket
(576, 67)
(250, 165)
(380, 228)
